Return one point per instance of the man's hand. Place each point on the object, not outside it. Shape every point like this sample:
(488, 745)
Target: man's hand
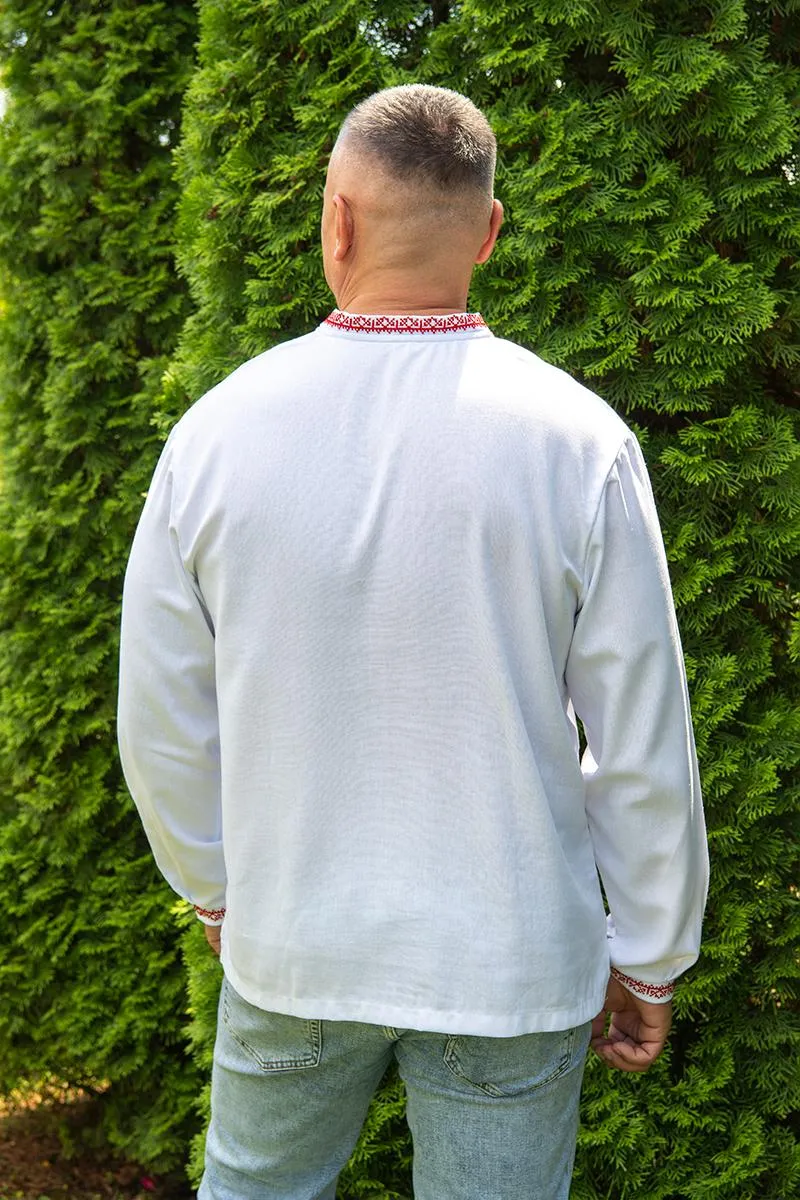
(213, 934)
(637, 1033)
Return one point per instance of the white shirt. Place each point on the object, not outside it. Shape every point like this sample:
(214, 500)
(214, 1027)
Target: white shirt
(377, 567)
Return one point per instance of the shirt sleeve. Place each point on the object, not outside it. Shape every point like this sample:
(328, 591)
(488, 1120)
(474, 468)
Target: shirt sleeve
(168, 726)
(626, 679)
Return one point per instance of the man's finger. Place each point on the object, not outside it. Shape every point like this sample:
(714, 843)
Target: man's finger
(624, 1057)
(625, 1054)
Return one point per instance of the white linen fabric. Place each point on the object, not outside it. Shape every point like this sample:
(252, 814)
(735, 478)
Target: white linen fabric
(378, 570)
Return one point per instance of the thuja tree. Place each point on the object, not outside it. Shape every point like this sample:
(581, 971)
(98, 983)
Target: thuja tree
(90, 974)
(273, 84)
(651, 184)
(271, 87)
(649, 173)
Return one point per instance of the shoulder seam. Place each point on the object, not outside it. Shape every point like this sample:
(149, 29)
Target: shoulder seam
(613, 463)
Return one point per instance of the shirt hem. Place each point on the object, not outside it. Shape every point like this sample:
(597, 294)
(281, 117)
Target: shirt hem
(468, 1023)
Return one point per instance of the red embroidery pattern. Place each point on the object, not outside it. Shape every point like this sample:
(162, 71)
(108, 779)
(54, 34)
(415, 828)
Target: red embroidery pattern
(213, 914)
(361, 323)
(657, 990)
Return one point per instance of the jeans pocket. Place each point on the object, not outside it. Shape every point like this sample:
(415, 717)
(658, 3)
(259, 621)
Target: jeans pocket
(274, 1041)
(513, 1066)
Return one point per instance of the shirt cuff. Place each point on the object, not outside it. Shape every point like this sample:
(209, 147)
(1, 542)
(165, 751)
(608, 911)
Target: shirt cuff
(210, 916)
(656, 993)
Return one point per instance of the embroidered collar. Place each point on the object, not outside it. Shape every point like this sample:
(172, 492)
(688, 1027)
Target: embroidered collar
(374, 323)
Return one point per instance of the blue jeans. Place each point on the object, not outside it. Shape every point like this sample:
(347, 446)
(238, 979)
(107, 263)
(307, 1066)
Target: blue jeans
(490, 1118)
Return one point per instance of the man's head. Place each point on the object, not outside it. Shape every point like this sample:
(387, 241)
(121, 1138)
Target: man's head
(408, 205)
(426, 137)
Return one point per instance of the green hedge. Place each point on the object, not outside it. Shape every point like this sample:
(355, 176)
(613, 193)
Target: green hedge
(649, 170)
(90, 975)
(272, 84)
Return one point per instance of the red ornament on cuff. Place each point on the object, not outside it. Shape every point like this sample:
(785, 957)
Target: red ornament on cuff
(658, 991)
(213, 914)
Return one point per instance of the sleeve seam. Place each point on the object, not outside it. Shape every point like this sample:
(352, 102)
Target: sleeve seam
(189, 578)
(596, 516)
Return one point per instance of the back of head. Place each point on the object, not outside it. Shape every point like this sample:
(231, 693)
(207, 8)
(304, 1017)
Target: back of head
(428, 137)
(408, 208)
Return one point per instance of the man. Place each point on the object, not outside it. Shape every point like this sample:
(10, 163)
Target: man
(379, 570)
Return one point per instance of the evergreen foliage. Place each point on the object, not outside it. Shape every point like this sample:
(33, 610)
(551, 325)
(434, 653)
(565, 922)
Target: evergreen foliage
(248, 229)
(649, 169)
(651, 250)
(91, 980)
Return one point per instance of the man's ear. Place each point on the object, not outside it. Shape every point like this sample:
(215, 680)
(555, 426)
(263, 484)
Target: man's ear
(342, 227)
(495, 221)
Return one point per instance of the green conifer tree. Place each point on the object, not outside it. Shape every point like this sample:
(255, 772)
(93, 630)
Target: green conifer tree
(649, 167)
(272, 84)
(90, 975)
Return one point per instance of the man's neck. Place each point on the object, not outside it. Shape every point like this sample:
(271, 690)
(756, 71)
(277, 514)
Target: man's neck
(430, 301)
(394, 310)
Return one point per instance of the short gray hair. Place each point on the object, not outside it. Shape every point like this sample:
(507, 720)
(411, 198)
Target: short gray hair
(427, 134)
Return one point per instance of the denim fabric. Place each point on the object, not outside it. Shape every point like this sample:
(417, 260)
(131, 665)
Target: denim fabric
(491, 1118)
